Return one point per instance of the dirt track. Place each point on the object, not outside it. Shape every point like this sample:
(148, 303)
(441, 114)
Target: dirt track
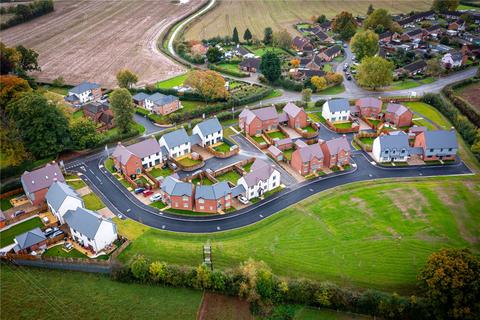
(91, 40)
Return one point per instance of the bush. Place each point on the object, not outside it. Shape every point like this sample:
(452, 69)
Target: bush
(28, 12)
(239, 74)
(289, 84)
(460, 103)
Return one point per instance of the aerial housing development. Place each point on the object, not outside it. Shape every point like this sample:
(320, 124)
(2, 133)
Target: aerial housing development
(240, 159)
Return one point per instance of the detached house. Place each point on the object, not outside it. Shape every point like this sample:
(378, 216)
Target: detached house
(307, 159)
(61, 198)
(331, 53)
(387, 148)
(414, 68)
(176, 143)
(437, 145)
(133, 159)
(398, 115)
(90, 229)
(336, 110)
(83, 93)
(210, 132)
(316, 63)
(302, 44)
(177, 194)
(321, 35)
(385, 37)
(416, 34)
(100, 114)
(458, 25)
(296, 116)
(336, 152)
(256, 121)
(250, 64)
(369, 107)
(214, 198)
(435, 31)
(30, 241)
(157, 103)
(453, 59)
(262, 178)
(36, 183)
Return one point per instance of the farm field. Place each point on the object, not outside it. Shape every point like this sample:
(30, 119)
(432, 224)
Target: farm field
(371, 234)
(96, 297)
(470, 94)
(91, 40)
(280, 14)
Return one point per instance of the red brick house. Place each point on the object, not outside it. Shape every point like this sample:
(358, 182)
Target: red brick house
(307, 159)
(336, 152)
(131, 160)
(398, 115)
(437, 145)
(302, 44)
(126, 162)
(296, 117)
(330, 53)
(250, 64)
(29, 241)
(177, 194)
(36, 183)
(413, 35)
(369, 107)
(255, 121)
(214, 198)
(100, 114)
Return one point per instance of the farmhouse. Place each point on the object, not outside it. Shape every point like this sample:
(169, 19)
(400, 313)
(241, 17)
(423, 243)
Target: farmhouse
(336, 152)
(133, 159)
(261, 178)
(437, 145)
(453, 59)
(398, 115)
(84, 92)
(176, 143)
(336, 110)
(256, 121)
(36, 183)
(387, 148)
(157, 103)
(90, 229)
(250, 64)
(61, 198)
(302, 44)
(296, 117)
(100, 114)
(30, 241)
(307, 159)
(330, 53)
(210, 132)
(177, 194)
(214, 198)
(369, 107)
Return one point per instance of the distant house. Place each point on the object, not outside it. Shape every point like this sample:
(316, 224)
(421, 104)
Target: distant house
(157, 103)
(417, 17)
(413, 35)
(177, 194)
(326, 26)
(100, 114)
(242, 52)
(453, 59)
(307, 159)
(250, 64)
(472, 51)
(413, 68)
(275, 152)
(385, 37)
(437, 145)
(133, 159)
(255, 121)
(388, 148)
(283, 144)
(398, 115)
(90, 229)
(262, 178)
(176, 143)
(336, 152)
(316, 63)
(29, 241)
(307, 74)
(435, 30)
(458, 25)
(336, 110)
(36, 183)
(83, 93)
(199, 49)
(369, 107)
(297, 117)
(61, 198)
(331, 53)
(321, 35)
(210, 132)
(302, 44)
(214, 198)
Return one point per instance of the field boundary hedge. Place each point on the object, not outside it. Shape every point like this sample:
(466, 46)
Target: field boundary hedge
(464, 106)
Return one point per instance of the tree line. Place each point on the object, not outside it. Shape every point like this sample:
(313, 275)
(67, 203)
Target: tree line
(26, 12)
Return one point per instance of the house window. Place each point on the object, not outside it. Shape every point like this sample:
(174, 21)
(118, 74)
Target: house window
(431, 150)
(449, 149)
(201, 201)
(185, 198)
(185, 205)
(227, 197)
(386, 151)
(202, 207)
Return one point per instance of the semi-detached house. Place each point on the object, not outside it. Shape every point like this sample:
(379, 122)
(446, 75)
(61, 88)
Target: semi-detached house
(213, 198)
(176, 143)
(256, 121)
(336, 110)
(36, 183)
(157, 103)
(177, 194)
(133, 159)
(388, 148)
(261, 178)
(210, 132)
(61, 198)
(437, 145)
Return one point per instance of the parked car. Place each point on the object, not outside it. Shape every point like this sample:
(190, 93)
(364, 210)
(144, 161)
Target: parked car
(139, 190)
(155, 197)
(147, 193)
(50, 231)
(19, 212)
(68, 246)
(242, 199)
(56, 234)
(345, 66)
(345, 45)
(349, 77)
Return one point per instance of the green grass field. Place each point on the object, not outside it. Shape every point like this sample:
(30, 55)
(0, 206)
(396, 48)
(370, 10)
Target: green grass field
(51, 294)
(172, 82)
(93, 202)
(6, 236)
(160, 172)
(373, 234)
(429, 112)
(339, 88)
(402, 85)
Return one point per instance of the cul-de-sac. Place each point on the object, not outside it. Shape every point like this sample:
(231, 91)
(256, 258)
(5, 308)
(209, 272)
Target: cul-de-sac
(235, 159)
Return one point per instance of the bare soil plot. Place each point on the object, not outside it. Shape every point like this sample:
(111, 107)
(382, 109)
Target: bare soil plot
(471, 94)
(218, 307)
(279, 14)
(91, 40)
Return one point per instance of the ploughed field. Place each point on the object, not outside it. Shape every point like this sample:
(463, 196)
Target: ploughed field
(91, 40)
(471, 94)
(279, 14)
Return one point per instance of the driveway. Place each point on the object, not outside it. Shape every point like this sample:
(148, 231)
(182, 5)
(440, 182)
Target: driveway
(150, 127)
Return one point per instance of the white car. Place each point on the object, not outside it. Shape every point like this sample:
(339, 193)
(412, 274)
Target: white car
(155, 197)
(242, 199)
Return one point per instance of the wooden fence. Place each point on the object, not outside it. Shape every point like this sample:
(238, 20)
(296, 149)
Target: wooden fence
(342, 130)
(11, 193)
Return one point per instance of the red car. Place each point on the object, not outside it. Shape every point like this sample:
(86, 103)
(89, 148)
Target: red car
(147, 193)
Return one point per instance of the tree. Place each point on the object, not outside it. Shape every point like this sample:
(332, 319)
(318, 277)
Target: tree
(306, 94)
(445, 5)
(123, 110)
(379, 17)
(295, 63)
(320, 83)
(321, 18)
(247, 36)
(28, 60)
(271, 66)
(345, 25)
(235, 37)
(282, 39)
(84, 134)
(268, 36)
(434, 68)
(214, 55)
(9, 59)
(58, 82)
(139, 267)
(257, 283)
(333, 78)
(451, 280)
(370, 9)
(126, 78)
(364, 44)
(210, 84)
(42, 126)
(375, 72)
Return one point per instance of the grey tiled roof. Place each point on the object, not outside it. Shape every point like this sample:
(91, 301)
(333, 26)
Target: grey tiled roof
(84, 86)
(330, 52)
(175, 187)
(338, 105)
(85, 221)
(195, 139)
(213, 192)
(144, 148)
(29, 238)
(251, 63)
(140, 96)
(161, 99)
(369, 103)
(176, 138)
(238, 190)
(440, 139)
(209, 126)
(58, 192)
(41, 178)
(399, 141)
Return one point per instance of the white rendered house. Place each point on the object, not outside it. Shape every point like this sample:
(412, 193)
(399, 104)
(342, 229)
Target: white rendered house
(210, 132)
(336, 110)
(177, 143)
(388, 148)
(61, 198)
(262, 178)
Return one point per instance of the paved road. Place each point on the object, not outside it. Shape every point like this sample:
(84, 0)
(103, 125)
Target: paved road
(150, 128)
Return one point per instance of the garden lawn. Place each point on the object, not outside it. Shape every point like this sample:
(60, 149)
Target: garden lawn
(93, 202)
(231, 176)
(6, 236)
(223, 147)
(375, 122)
(260, 51)
(188, 162)
(339, 88)
(230, 66)
(327, 67)
(78, 295)
(370, 234)
(427, 80)
(276, 135)
(429, 112)
(172, 82)
(317, 117)
(309, 129)
(288, 153)
(158, 204)
(161, 172)
(259, 139)
(5, 202)
(367, 140)
(248, 166)
(190, 105)
(343, 125)
(57, 251)
(75, 182)
(109, 165)
(204, 181)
